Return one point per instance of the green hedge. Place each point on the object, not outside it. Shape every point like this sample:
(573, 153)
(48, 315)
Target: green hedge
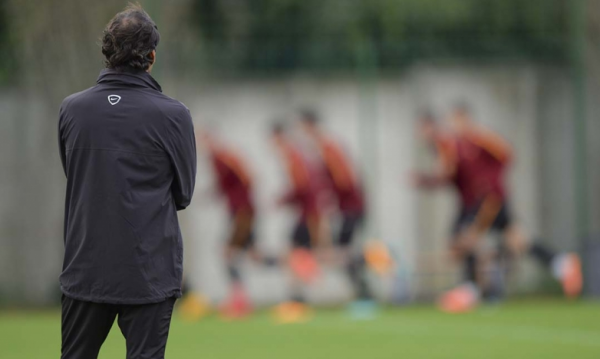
(6, 48)
(292, 34)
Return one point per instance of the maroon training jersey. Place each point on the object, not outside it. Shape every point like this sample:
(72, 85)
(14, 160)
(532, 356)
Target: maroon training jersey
(233, 179)
(479, 162)
(303, 192)
(342, 177)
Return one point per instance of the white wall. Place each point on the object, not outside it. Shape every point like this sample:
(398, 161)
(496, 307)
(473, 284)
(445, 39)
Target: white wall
(415, 225)
(529, 106)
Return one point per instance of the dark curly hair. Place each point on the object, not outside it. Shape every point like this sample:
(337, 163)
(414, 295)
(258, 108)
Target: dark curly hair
(128, 40)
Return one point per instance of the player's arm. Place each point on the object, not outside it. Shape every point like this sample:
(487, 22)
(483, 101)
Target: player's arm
(338, 168)
(237, 169)
(444, 170)
(299, 184)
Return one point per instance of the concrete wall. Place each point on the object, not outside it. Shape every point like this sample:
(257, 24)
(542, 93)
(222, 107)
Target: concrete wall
(375, 121)
(520, 103)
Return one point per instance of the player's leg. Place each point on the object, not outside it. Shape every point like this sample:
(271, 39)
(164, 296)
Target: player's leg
(565, 267)
(241, 239)
(478, 221)
(146, 328)
(85, 326)
(255, 253)
(354, 264)
(465, 256)
(470, 225)
(303, 269)
(493, 267)
(519, 244)
(494, 216)
(467, 294)
(301, 251)
(489, 215)
(468, 259)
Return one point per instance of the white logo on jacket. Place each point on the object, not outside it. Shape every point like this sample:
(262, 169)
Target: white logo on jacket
(114, 99)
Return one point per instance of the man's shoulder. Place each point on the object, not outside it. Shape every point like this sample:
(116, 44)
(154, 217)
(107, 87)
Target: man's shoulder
(76, 98)
(168, 105)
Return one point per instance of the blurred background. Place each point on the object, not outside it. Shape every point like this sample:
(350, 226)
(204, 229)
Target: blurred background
(529, 70)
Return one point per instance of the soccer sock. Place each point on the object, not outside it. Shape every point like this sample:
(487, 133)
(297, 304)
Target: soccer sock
(470, 269)
(495, 284)
(542, 253)
(234, 273)
(270, 262)
(356, 272)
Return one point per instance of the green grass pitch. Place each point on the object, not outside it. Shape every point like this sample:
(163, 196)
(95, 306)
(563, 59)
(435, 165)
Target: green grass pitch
(530, 329)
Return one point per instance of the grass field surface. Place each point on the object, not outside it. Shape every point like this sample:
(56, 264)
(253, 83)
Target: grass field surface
(544, 329)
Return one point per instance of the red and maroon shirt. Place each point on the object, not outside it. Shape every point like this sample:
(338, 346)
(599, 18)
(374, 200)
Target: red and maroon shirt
(478, 160)
(303, 191)
(233, 180)
(341, 177)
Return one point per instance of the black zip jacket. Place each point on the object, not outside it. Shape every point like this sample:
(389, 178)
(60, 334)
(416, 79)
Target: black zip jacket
(129, 155)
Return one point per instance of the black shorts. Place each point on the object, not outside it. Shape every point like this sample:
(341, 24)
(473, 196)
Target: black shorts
(242, 231)
(351, 222)
(85, 326)
(467, 216)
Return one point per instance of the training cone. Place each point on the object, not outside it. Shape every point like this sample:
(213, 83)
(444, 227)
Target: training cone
(238, 305)
(194, 307)
(291, 313)
(378, 258)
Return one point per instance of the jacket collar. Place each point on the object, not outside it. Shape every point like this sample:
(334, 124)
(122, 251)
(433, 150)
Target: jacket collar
(129, 77)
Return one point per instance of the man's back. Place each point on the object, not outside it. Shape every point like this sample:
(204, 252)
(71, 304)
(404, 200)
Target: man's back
(129, 155)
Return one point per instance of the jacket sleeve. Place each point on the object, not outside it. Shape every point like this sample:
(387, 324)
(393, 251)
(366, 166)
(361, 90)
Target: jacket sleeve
(181, 148)
(61, 143)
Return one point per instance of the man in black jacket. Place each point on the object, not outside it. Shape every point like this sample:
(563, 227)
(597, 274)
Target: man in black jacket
(129, 155)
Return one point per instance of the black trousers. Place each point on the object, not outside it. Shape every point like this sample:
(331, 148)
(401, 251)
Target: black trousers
(85, 326)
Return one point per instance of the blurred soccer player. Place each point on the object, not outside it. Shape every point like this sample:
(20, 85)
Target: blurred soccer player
(475, 159)
(343, 182)
(448, 172)
(489, 154)
(302, 195)
(235, 185)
